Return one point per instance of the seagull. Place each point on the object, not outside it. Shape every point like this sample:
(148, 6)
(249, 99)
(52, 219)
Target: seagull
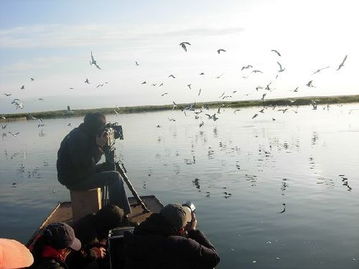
(18, 104)
(22, 87)
(160, 85)
(100, 85)
(320, 69)
(310, 84)
(254, 116)
(296, 89)
(87, 81)
(283, 210)
(3, 126)
(7, 94)
(201, 124)
(219, 76)
(174, 105)
(171, 76)
(144, 82)
(201, 74)
(71, 88)
(264, 95)
(199, 92)
(222, 95)
(342, 63)
(183, 45)
(267, 87)
(40, 99)
(153, 84)
(259, 88)
(163, 94)
(281, 69)
(246, 67)
(137, 63)
(277, 52)
(93, 62)
(220, 50)
(40, 124)
(171, 119)
(189, 86)
(314, 104)
(32, 79)
(256, 71)
(283, 110)
(14, 134)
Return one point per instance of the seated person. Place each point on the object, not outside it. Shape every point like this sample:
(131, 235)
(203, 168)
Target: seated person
(93, 230)
(78, 155)
(13, 254)
(169, 239)
(54, 245)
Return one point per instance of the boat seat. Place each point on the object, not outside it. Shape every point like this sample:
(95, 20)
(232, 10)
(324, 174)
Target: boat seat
(84, 202)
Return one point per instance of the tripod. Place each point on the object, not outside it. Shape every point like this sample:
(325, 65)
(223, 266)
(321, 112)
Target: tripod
(110, 160)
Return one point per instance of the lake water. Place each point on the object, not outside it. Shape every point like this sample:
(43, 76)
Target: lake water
(276, 191)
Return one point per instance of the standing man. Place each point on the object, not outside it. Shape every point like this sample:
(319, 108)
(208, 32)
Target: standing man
(77, 159)
(169, 239)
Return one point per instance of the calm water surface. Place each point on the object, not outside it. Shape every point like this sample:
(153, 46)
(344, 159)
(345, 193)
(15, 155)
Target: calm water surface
(277, 191)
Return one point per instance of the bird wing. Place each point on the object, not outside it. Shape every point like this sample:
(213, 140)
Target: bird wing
(97, 66)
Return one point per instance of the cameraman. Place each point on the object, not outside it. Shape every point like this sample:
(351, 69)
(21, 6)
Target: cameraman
(79, 152)
(169, 239)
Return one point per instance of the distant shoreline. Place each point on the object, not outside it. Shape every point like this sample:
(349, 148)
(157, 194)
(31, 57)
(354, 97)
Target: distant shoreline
(296, 101)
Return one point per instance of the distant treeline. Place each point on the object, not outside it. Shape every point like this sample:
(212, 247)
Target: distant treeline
(299, 101)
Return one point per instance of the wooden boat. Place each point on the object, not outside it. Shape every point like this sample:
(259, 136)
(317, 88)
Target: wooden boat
(63, 213)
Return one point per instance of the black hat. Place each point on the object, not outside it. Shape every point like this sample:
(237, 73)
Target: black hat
(61, 235)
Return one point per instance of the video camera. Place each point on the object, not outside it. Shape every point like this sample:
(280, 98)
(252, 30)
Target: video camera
(113, 131)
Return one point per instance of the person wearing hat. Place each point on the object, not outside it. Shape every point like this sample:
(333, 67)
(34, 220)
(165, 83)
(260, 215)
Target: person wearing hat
(56, 242)
(13, 254)
(93, 230)
(77, 160)
(169, 239)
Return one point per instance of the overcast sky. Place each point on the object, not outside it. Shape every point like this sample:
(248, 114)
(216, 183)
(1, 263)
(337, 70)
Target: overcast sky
(51, 41)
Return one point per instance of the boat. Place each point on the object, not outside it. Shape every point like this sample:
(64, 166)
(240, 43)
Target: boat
(63, 213)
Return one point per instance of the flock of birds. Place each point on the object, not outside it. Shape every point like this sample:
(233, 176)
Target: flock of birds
(198, 112)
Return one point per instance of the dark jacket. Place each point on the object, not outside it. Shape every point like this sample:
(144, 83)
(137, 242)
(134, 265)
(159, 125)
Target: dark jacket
(51, 263)
(153, 245)
(77, 156)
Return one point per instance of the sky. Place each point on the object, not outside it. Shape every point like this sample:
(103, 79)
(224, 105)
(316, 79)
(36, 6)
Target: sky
(51, 42)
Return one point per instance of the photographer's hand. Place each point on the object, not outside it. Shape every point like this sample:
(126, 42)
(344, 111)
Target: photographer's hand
(193, 225)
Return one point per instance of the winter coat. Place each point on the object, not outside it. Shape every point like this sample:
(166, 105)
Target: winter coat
(77, 156)
(155, 245)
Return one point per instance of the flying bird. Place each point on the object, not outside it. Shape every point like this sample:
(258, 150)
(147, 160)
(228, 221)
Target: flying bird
(220, 50)
(184, 44)
(310, 84)
(160, 85)
(264, 95)
(256, 71)
(320, 69)
(189, 86)
(254, 116)
(7, 94)
(22, 87)
(93, 62)
(201, 74)
(199, 92)
(163, 94)
(281, 69)
(219, 76)
(171, 76)
(87, 81)
(144, 82)
(246, 67)
(14, 134)
(342, 63)
(296, 89)
(276, 52)
(137, 63)
(32, 79)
